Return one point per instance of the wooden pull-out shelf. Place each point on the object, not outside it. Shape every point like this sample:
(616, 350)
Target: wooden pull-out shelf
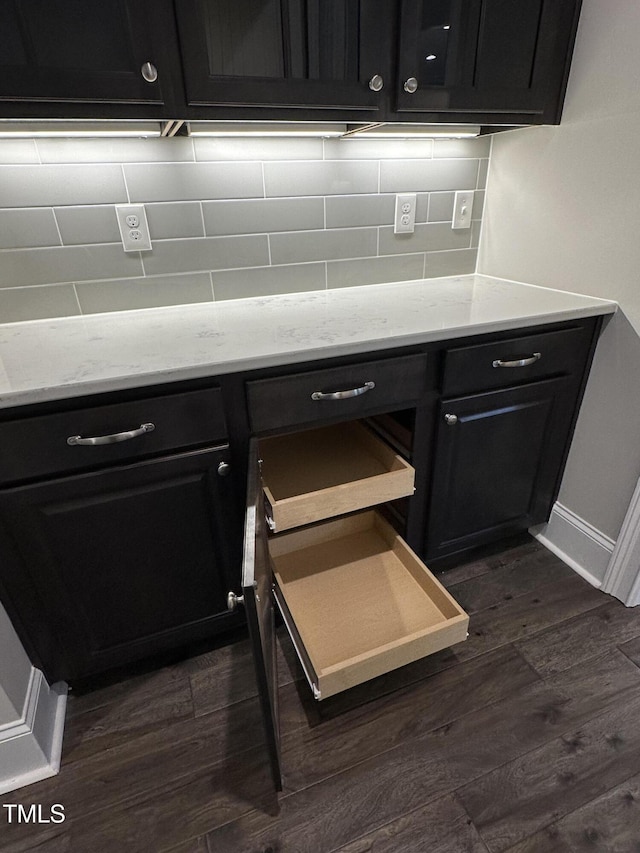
(361, 600)
(322, 473)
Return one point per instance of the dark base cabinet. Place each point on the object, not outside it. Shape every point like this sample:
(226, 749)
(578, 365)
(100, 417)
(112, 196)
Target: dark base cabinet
(108, 567)
(496, 466)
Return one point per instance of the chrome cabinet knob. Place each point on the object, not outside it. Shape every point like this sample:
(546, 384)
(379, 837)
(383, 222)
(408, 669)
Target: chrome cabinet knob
(376, 83)
(234, 600)
(223, 469)
(410, 85)
(450, 420)
(149, 72)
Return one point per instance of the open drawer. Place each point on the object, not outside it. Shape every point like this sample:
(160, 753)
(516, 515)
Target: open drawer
(330, 471)
(358, 602)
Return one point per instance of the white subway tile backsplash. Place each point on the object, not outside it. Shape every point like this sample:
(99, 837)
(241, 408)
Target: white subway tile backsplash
(171, 150)
(267, 281)
(229, 218)
(427, 175)
(22, 227)
(193, 181)
(354, 210)
(37, 303)
(426, 238)
(18, 151)
(330, 177)
(25, 267)
(47, 186)
(207, 253)
(259, 216)
(357, 148)
(257, 149)
(298, 247)
(374, 270)
(175, 219)
(80, 225)
(150, 292)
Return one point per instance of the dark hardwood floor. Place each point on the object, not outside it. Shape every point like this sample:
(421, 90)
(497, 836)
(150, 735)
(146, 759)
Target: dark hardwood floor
(523, 739)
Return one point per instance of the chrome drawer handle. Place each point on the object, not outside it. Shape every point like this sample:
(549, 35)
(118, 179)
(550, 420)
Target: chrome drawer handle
(518, 362)
(111, 439)
(234, 600)
(343, 395)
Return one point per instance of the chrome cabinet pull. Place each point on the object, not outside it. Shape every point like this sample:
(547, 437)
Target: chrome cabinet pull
(376, 83)
(234, 600)
(223, 469)
(343, 395)
(411, 85)
(451, 420)
(149, 72)
(518, 362)
(111, 439)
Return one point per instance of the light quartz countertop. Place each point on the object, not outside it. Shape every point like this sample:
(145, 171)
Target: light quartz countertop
(54, 359)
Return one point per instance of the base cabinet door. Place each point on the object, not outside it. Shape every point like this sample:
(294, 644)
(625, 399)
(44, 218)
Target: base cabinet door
(498, 458)
(109, 567)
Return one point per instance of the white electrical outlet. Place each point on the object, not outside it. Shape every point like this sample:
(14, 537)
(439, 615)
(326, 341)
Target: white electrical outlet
(134, 228)
(462, 209)
(405, 218)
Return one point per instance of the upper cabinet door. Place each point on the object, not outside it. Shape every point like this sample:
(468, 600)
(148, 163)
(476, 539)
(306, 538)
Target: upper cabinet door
(75, 51)
(286, 53)
(508, 57)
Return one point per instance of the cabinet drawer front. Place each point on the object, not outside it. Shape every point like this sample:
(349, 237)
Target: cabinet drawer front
(38, 447)
(515, 359)
(359, 602)
(329, 471)
(336, 393)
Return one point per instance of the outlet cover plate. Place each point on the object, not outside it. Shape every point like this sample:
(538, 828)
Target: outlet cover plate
(134, 228)
(405, 217)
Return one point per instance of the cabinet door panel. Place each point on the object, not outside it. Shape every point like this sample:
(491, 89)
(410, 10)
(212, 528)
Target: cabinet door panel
(292, 53)
(119, 564)
(496, 465)
(257, 589)
(69, 50)
(485, 56)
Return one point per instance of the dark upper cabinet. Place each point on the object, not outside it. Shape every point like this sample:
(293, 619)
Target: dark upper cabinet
(311, 55)
(71, 58)
(479, 61)
(498, 60)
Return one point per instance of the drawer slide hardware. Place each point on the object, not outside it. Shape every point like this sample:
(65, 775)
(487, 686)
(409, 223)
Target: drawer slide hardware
(114, 438)
(343, 395)
(518, 362)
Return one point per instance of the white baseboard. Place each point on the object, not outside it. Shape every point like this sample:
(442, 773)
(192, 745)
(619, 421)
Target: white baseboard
(578, 544)
(30, 747)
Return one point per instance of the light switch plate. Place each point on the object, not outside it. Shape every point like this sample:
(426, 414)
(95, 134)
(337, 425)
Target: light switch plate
(134, 228)
(462, 209)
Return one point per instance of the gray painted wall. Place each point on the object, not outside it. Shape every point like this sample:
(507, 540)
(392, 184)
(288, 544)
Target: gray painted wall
(228, 218)
(561, 211)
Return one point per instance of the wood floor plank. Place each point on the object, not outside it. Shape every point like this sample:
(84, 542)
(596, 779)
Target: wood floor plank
(480, 565)
(578, 639)
(521, 797)
(440, 827)
(632, 648)
(151, 703)
(227, 676)
(532, 569)
(196, 845)
(310, 754)
(607, 824)
(527, 615)
(182, 809)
